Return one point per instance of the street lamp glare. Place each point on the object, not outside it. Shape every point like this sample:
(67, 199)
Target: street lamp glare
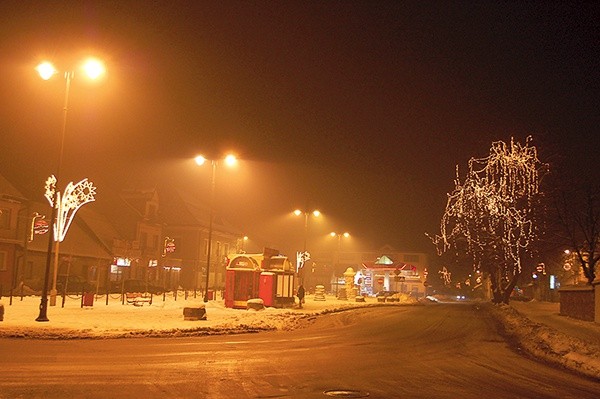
(93, 68)
(316, 213)
(297, 212)
(346, 234)
(333, 234)
(230, 160)
(46, 70)
(200, 160)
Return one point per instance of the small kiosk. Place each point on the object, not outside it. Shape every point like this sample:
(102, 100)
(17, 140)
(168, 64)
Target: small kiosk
(241, 281)
(268, 276)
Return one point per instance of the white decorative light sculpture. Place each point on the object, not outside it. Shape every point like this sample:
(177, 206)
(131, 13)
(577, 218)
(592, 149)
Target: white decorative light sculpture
(301, 259)
(73, 198)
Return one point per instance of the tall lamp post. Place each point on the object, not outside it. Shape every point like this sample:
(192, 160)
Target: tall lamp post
(337, 253)
(302, 258)
(93, 69)
(242, 241)
(230, 160)
(316, 213)
(339, 244)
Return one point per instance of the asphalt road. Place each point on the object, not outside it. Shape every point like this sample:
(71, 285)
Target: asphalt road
(434, 351)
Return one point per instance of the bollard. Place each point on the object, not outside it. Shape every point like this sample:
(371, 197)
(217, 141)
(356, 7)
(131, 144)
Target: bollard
(319, 293)
(1, 312)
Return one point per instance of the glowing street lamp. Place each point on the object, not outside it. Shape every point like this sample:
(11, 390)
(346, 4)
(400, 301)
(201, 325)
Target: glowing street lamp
(339, 243)
(242, 241)
(339, 235)
(304, 256)
(316, 213)
(230, 160)
(75, 195)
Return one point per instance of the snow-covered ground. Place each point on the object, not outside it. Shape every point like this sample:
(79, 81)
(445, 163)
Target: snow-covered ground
(162, 318)
(558, 341)
(552, 342)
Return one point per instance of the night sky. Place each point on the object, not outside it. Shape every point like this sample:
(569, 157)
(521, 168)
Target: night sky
(361, 109)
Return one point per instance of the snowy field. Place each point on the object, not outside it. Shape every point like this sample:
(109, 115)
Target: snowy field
(165, 318)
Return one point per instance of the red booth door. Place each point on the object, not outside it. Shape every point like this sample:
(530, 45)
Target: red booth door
(266, 289)
(229, 288)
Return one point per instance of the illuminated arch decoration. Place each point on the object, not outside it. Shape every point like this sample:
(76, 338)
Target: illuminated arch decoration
(73, 198)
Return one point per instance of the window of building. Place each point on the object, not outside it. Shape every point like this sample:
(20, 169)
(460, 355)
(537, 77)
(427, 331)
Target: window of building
(151, 211)
(4, 219)
(29, 270)
(3, 265)
(144, 240)
(206, 246)
(218, 249)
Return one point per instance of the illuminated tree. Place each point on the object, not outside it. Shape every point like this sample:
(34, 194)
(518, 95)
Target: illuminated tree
(489, 215)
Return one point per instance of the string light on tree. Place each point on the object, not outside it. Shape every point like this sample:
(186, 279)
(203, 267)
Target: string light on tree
(489, 215)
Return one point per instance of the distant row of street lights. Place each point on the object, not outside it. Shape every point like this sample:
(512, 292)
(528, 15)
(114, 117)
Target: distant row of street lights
(93, 68)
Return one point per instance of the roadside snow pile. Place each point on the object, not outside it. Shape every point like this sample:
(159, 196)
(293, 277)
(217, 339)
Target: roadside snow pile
(545, 343)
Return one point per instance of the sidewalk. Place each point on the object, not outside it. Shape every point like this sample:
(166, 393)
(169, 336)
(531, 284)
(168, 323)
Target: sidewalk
(548, 313)
(538, 329)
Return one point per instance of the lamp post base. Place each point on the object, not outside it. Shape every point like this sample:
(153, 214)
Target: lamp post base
(43, 310)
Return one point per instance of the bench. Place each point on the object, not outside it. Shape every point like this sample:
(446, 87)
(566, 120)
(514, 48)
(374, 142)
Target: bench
(138, 298)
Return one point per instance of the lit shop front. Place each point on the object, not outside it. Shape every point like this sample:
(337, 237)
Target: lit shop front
(386, 275)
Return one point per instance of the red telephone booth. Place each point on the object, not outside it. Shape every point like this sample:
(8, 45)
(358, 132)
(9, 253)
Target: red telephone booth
(240, 285)
(267, 288)
(241, 281)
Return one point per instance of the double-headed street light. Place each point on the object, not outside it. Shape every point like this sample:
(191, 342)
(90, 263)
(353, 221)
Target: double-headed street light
(93, 69)
(230, 160)
(315, 213)
(339, 236)
(337, 253)
(302, 258)
(242, 241)
(339, 243)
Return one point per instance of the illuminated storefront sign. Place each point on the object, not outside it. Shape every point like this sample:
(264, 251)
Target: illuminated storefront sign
(125, 262)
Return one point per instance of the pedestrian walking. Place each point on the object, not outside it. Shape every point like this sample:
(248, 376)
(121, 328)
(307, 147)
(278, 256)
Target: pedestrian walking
(300, 295)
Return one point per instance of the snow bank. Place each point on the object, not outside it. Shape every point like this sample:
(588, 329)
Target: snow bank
(543, 342)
